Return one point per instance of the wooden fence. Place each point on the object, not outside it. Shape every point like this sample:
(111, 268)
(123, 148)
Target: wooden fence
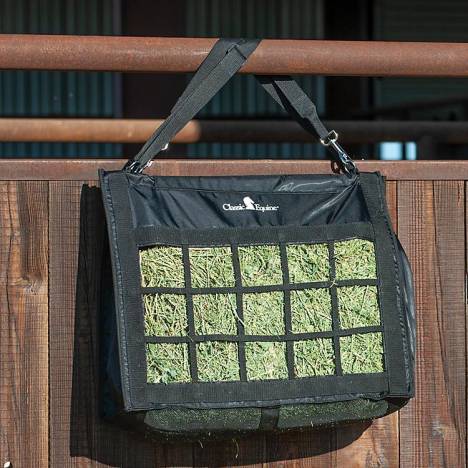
(49, 296)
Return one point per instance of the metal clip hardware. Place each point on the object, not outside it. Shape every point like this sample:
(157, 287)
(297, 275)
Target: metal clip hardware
(332, 137)
(135, 166)
(331, 141)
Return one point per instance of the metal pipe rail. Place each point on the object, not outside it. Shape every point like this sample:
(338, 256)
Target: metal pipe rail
(181, 55)
(254, 131)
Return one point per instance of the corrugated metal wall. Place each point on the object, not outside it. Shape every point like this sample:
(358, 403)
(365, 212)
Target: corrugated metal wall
(422, 20)
(242, 97)
(55, 94)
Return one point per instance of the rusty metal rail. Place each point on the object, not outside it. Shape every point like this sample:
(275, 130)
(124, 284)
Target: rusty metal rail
(255, 131)
(179, 55)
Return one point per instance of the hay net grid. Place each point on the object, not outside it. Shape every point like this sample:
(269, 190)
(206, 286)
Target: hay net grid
(260, 312)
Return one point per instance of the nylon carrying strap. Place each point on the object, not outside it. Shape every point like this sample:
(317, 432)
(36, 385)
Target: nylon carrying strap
(224, 60)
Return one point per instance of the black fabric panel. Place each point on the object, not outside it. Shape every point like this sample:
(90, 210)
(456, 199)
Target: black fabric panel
(127, 284)
(125, 242)
(296, 183)
(198, 203)
(149, 236)
(409, 315)
(269, 419)
(266, 392)
(175, 424)
(109, 367)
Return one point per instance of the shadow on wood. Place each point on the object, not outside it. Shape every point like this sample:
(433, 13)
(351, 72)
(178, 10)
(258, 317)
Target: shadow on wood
(91, 438)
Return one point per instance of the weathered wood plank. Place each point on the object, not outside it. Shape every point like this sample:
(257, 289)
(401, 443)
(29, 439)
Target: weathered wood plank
(23, 324)
(86, 169)
(178, 454)
(377, 446)
(78, 436)
(431, 227)
(301, 449)
(235, 452)
(431, 224)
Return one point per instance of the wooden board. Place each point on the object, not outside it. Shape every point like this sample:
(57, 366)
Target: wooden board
(78, 435)
(52, 244)
(431, 226)
(87, 169)
(24, 383)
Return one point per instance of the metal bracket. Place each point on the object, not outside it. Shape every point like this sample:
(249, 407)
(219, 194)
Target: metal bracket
(331, 141)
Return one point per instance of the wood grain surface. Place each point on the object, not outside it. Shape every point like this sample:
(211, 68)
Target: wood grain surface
(50, 255)
(87, 169)
(24, 369)
(431, 226)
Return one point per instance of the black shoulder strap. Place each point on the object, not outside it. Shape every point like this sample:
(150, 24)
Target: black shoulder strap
(216, 70)
(225, 58)
(292, 98)
(221, 48)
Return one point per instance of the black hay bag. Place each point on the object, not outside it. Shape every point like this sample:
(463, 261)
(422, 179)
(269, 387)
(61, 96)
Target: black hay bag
(241, 303)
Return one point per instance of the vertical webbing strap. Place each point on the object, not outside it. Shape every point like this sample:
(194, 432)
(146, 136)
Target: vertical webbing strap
(389, 292)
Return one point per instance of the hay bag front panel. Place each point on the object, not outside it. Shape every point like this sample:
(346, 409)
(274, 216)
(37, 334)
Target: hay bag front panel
(279, 302)
(255, 291)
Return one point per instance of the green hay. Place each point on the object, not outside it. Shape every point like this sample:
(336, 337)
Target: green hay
(355, 259)
(263, 313)
(162, 267)
(266, 360)
(314, 357)
(260, 265)
(311, 310)
(362, 353)
(165, 315)
(211, 267)
(358, 306)
(215, 314)
(217, 361)
(167, 363)
(307, 262)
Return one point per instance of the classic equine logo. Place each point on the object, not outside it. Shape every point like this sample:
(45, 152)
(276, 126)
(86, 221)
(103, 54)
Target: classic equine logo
(249, 204)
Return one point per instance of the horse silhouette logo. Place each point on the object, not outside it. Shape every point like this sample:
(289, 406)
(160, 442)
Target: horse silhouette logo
(249, 203)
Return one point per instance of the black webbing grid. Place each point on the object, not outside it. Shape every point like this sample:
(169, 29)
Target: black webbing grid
(289, 338)
(287, 310)
(192, 347)
(334, 309)
(259, 289)
(240, 313)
